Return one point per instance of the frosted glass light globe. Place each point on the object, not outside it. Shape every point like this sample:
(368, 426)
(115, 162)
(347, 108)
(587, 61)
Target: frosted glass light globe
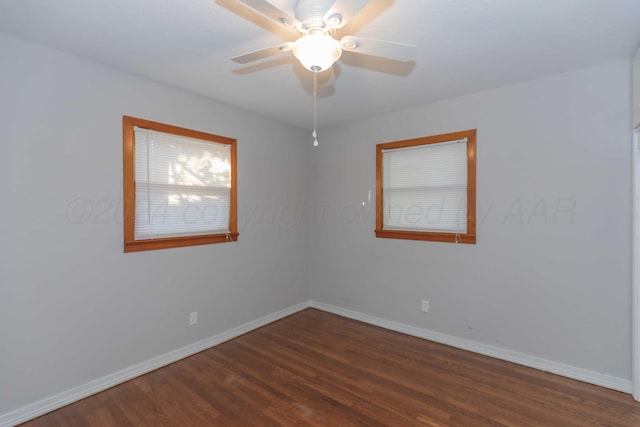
(317, 51)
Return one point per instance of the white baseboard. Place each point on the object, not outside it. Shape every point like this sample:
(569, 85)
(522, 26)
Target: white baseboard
(585, 375)
(62, 399)
(59, 400)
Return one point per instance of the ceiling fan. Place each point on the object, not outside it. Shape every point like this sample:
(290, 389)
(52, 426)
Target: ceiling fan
(317, 21)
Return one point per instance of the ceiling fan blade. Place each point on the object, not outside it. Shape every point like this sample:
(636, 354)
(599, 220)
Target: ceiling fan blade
(346, 9)
(262, 53)
(391, 50)
(271, 11)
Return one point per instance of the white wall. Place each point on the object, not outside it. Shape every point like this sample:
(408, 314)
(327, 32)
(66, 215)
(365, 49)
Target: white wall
(73, 306)
(636, 88)
(550, 275)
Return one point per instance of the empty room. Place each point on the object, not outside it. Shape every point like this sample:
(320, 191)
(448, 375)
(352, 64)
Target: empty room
(319, 213)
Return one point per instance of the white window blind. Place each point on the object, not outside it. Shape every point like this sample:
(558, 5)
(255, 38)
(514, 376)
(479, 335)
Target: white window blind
(183, 186)
(425, 187)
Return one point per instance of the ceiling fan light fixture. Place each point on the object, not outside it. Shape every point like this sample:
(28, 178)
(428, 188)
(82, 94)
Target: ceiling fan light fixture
(317, 50)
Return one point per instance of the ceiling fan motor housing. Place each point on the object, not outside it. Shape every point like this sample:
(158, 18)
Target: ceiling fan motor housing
(311, 13)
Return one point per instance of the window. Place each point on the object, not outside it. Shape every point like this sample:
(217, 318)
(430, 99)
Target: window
(179, 186)
(426, 188)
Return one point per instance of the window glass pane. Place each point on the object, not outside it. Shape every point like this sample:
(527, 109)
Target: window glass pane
(425, 188)
(182, 186)
(439, 209)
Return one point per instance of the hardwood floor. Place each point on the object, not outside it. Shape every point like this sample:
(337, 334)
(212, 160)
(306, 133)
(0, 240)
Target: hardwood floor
(317, 369)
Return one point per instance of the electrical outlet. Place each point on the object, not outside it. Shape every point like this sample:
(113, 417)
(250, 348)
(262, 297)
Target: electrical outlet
(425, 306)
(193, 318)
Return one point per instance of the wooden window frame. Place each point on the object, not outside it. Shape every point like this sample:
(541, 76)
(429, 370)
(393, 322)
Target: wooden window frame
(470, 236)
(133, 245)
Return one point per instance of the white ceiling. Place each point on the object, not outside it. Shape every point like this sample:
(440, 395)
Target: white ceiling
(464, 46)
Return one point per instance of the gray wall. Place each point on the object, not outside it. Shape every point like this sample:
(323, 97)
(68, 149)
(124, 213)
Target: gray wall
(73, 306)
(550, 275)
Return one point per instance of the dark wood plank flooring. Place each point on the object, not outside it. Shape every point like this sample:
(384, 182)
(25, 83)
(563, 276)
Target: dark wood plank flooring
(317, 369)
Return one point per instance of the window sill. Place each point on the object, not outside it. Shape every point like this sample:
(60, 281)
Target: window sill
(178, 242)
(427, 236)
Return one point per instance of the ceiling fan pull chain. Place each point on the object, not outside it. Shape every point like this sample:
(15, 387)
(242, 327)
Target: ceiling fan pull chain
(315, 108)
